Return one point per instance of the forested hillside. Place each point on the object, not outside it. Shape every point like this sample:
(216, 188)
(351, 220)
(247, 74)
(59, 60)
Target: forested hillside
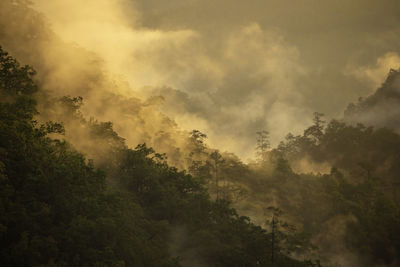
(94, 173)
(57, 209)
(336, 184)
(380, 108)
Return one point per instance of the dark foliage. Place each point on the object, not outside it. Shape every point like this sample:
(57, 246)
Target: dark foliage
(56, 209)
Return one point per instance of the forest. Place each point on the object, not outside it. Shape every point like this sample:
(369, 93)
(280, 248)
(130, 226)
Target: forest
(57, 209)
(75, 190)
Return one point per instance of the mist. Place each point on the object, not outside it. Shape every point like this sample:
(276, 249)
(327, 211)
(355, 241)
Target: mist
(120, 73)
(260, 66)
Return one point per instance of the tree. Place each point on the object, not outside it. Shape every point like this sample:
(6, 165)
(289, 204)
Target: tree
(263, 145)
(217, 161)
(14, 78)
(315, 132)
(284, 238)
(197, 155)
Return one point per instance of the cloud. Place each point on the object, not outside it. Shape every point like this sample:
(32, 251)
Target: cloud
(247, 80)
(228, 68)
(66, 67)
(374, 75)
(254, 86)
(112, 33)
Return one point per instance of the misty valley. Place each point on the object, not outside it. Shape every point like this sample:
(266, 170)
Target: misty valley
(94, 172)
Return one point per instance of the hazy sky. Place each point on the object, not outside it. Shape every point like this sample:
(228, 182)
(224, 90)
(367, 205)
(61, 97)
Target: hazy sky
(233, 67)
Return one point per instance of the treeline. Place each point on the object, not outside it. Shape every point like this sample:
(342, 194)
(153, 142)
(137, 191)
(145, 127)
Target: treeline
(334, 190)
(331, 193)
(57, 209)
(363, 185)
(336, 184)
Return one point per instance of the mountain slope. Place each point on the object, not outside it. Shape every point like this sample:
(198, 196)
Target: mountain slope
(381, 109)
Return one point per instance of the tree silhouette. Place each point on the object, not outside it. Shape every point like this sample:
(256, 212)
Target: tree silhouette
(315, 132)
(217, 160)
(263, 145)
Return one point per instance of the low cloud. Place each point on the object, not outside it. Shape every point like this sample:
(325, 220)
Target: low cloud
(374, 75)
(228, 76)
(253, 86)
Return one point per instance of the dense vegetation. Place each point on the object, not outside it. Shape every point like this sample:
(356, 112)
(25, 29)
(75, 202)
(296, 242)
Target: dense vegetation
(363, 184)
(73, 193)
(337, 184)
(350, 206)
(57, 209)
